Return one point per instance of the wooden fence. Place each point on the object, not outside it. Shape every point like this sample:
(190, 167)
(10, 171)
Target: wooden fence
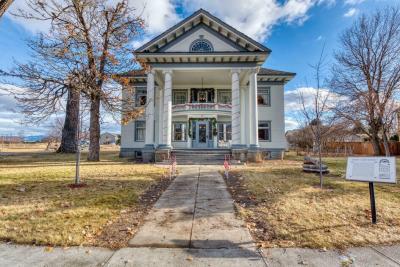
(360, 148)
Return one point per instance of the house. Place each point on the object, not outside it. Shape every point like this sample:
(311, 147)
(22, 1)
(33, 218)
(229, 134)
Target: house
(204, 88)
(108, 138)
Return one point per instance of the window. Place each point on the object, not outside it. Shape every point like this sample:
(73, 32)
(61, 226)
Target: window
(224, 97)
(224, 132)
(140, 98)
(264, 131)
(140, 131)
(264, 96)
(180, 97)
(201, 45)
(179, 131)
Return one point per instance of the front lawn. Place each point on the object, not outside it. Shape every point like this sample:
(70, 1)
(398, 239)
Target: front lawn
(37, 206)
(284, 207)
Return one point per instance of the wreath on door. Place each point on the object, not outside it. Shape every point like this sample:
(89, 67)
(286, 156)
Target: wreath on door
(213, 125)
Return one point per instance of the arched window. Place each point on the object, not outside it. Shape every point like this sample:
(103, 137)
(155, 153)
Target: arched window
(201, 45)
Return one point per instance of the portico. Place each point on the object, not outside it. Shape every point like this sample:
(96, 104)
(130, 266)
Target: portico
(200, 90)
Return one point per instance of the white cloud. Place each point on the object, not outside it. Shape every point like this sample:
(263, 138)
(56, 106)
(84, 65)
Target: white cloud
(353, 2)
(350, 13)
(291, 124)
(319, 38)
(257, 17)
(158, 15)
(292, 98)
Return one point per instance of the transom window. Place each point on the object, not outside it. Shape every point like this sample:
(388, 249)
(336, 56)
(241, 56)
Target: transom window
(264, 131)
(264, 96)
(201, 45)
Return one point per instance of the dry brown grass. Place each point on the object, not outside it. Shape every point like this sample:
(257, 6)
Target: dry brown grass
(292, 211)
(37, 205)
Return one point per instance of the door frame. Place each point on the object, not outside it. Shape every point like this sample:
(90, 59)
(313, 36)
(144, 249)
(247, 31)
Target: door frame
(197, 142)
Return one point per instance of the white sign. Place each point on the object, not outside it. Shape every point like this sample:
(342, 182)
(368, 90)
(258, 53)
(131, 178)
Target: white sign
(371, 169)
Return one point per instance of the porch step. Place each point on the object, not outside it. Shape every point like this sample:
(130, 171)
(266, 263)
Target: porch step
(199, 156)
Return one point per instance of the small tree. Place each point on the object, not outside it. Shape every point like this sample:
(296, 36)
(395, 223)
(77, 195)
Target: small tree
(367, 74)
(316, 115)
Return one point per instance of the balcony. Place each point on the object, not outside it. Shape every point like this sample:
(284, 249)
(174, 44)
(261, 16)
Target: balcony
(202, 107)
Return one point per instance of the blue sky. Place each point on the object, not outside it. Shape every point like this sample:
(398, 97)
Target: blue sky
(295, 30)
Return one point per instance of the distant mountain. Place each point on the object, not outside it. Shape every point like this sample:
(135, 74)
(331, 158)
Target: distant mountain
(33, 138)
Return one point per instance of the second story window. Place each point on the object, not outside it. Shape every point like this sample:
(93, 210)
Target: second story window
(179, 97)
(264, 96)
(140, 98)
(224, 97)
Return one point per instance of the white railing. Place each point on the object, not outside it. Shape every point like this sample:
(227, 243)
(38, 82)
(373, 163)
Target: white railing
(202, 106)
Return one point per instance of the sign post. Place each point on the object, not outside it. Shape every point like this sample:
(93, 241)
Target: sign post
(372, 198)
(372, 170)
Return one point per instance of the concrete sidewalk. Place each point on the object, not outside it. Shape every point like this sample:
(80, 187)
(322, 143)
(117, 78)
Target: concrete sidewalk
(194, 224)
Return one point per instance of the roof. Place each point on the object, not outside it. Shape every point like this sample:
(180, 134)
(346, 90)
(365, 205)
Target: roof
(271, 72)
(172, 33)
(263, 72)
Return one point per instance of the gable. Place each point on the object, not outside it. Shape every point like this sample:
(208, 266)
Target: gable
(202, 32)
(225, 37)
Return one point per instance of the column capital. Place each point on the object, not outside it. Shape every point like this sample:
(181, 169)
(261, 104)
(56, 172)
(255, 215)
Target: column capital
(235, 70)
(254, 70)
(167, 71)
(150, 71)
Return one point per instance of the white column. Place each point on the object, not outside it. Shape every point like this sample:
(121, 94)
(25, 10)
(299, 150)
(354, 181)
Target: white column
(149, 138)
(253, 108)
(242, 116)
(160, 116)
(167, 108)
(235, 108)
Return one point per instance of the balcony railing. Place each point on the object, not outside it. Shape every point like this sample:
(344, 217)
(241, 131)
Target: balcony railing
(202, 106)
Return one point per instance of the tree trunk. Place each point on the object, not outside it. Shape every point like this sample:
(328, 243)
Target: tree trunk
(69, 131)
(94, 146)
(376, 144)
(386, 144)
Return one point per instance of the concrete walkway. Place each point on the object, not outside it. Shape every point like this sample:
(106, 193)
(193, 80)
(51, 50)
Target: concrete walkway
(194, 224)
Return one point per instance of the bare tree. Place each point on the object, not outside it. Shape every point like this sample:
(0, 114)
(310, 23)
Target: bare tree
(4, 4)
(316, 115)
(54, 134)
(367, 74)
(95, 36)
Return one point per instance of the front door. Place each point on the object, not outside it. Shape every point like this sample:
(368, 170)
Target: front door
(202, 134)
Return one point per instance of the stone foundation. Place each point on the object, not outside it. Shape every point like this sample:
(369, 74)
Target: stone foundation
(162, 154)
(148, 154)
(255, 155)
(239, 154)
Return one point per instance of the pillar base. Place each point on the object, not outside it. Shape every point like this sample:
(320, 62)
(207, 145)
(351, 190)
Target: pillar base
(162, 154)
(239, 153)
(148, 153)
(254, 154)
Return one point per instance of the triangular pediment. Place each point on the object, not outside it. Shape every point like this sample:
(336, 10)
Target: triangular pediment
(201, 25)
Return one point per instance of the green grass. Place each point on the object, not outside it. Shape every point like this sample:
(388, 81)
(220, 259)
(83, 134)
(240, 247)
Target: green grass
(296, 213)
(38, 206)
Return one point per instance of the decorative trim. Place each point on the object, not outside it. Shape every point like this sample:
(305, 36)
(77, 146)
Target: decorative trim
(207, 29)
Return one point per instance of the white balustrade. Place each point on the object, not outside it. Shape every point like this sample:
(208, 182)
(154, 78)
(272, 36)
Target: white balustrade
(202, 106)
